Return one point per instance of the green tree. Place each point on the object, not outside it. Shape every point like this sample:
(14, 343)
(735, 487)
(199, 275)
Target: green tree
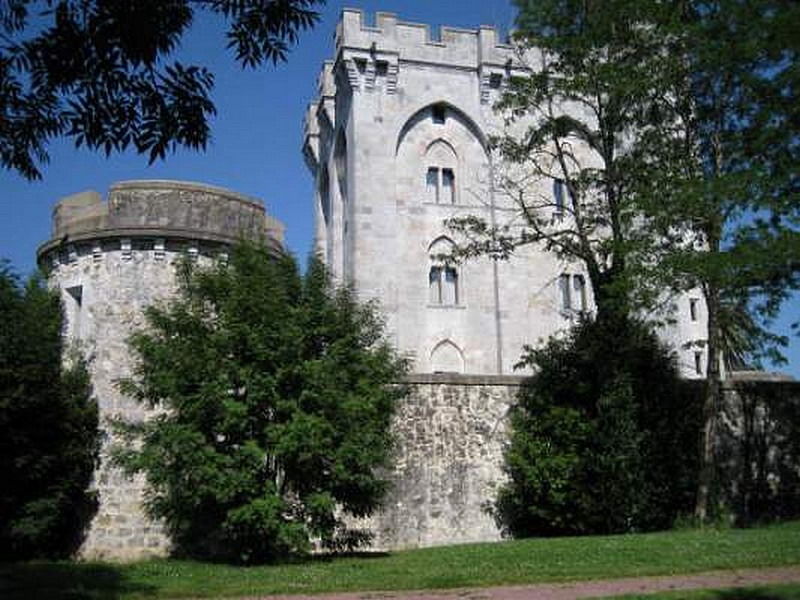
(720, 186)
(673, 128)
(571, 124)
(604, 436)
(49, 437)
(275, 401)
(98, 72)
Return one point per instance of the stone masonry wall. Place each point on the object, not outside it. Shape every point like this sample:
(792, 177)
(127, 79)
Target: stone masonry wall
(115, 290)
(450, 433)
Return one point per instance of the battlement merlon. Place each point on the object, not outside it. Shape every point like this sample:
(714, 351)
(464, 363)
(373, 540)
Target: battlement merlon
(396, 42)
(464, 48)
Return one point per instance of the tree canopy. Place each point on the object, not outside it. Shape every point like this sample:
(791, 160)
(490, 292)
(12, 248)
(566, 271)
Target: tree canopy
(274, 403)
(719, 183)
(604, 436)
(49, 437)
(671, 130)
(99, 72)
(568, 156)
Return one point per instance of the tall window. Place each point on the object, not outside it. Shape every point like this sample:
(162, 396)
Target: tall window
(443, 286)
(559, 195)
(579, 287)
(440, 176)
(443, 280)
(432, 185)
(440, 185)
(566, 295)
(693, 309)
(572, 291)
(448, 194)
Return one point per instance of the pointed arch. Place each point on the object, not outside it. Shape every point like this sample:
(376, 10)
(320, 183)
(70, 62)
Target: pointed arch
(442, 150)
(444, 285)
(427, 112)
(441, 244)
(447, 357)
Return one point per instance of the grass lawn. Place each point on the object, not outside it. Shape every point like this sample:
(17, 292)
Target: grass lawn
(476, 565)
(789, 591)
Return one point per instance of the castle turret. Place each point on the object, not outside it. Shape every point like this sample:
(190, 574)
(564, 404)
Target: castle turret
(110, 260)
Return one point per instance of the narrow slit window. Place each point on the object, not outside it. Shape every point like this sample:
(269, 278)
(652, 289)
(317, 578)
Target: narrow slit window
(693, 309)
(558, 195)
(448, 186)
(566, 296)
(579, 287)
(435, 285)
(450, 291)
(439, 114)
(698, 363)
(432, 184)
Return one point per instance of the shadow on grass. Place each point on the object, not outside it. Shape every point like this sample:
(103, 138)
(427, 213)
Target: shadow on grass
(66, 581)
(754, 594)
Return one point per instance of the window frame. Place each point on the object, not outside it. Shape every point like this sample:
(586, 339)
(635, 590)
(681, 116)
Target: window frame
(440, 186)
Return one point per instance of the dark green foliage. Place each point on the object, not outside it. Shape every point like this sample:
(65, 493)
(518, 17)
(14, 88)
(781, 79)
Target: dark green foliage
(97, 72)
(49, 438)
(276, 410)
(604, 436)
(673, 126)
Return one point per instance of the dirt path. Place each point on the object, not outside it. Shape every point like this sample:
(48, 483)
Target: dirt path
(582, 589)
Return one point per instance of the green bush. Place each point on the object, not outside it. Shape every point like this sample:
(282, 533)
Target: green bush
(49, 437)
(276, 410)
(604, 436)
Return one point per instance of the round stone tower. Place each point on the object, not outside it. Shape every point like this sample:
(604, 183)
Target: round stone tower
(110, 260)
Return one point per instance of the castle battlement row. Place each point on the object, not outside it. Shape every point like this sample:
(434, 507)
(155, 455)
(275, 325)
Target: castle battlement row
(373, 59)
(465, 48)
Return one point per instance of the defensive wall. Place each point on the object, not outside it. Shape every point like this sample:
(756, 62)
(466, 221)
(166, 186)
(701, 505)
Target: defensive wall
(451, 431)
(112, 259)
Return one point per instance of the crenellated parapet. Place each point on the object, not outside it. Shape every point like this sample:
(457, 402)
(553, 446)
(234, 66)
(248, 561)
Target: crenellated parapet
(371, 58)
(464, 48)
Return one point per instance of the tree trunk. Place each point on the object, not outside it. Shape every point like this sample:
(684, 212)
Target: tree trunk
(711, 400)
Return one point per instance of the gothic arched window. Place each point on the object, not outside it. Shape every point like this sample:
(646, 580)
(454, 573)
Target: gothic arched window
(443, 279)
(440, 175)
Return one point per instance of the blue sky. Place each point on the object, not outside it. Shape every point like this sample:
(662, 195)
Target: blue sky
(256, 141)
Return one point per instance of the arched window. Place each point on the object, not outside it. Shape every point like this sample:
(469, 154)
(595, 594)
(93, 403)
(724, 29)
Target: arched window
(572, 289)
(443, 279)
(440, 175)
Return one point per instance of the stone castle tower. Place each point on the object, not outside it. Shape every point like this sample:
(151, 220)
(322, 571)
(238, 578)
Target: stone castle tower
(397, 143)
(110, 260)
